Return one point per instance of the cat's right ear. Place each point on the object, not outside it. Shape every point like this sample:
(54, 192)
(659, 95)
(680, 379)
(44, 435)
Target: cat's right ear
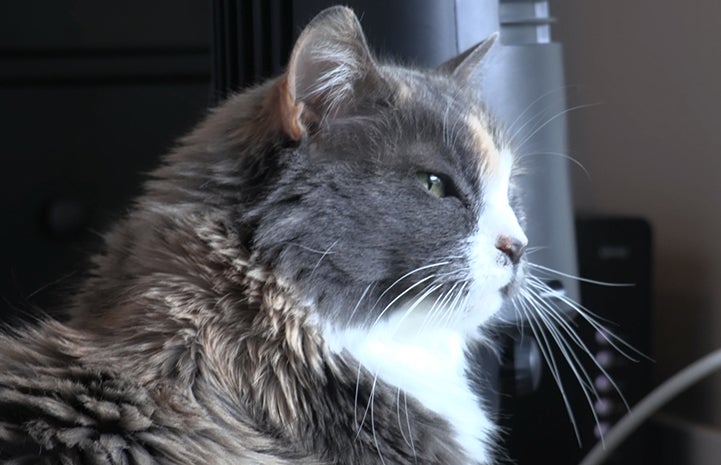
(464, 66)
(329, 64)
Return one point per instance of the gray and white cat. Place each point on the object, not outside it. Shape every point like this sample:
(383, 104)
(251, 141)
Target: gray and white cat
(300, 283)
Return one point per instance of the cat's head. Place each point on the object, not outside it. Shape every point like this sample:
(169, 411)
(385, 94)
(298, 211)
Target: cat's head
(396, 192)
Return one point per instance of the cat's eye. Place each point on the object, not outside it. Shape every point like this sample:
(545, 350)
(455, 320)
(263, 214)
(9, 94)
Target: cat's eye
(433, 184)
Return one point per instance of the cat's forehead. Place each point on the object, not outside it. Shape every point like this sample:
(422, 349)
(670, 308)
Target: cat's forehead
(464, 122)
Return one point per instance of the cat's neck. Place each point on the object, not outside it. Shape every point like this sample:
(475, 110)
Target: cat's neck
(426, 362)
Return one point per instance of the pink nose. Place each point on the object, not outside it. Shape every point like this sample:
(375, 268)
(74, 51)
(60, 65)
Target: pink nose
(512, 247)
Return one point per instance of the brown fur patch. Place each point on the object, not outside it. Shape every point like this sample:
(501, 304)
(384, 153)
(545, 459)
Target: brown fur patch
(483, 145)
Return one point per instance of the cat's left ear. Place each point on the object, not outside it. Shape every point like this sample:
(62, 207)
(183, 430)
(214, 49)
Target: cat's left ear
(465, 65)
(329, 65)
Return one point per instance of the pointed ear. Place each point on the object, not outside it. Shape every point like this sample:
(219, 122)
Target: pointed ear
(464, 66)
(328, 65)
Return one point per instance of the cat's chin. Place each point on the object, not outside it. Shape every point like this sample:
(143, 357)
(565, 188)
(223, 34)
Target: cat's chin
(481, 308)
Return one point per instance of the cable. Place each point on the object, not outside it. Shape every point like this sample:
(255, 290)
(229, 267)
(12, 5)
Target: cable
(651, 403)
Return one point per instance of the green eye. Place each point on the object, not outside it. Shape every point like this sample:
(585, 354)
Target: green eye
(433, 184)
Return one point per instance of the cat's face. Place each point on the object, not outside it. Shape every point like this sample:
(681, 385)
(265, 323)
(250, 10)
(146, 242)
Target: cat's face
(398, 196)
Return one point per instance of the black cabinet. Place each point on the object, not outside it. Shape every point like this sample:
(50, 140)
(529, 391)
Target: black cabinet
(92, 94)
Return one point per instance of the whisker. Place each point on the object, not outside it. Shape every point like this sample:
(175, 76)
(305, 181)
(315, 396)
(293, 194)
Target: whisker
(532, 250)
(528, 108)
(400, 296)
(578, 278)
(562, 155)
(591, 318)
(545, 311)
(547, 291)
(398, 417)
(310, 249)
(438, 315)
(553, 118)
(451, 310)
(421, 268)
(355, 403)
(580, 373)
(357, 305)
(373, 421)
(323, 255)
(457, 312)
(428, 291)
(436, 308)
(546, 352)
(408, 422)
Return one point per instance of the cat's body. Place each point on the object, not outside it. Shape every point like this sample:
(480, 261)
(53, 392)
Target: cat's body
(301, 282)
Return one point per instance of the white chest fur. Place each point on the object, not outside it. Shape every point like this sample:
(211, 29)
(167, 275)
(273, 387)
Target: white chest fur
(428, 364)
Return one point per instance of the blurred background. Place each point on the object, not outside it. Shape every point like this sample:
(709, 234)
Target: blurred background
(652, 147)
(93, 93)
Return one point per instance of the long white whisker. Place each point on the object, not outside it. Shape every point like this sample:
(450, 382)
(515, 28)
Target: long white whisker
(553, 313)
(528, 108)
(553, 118)
(419, 269)
(562, 155)
(400, 296)
(355, 403)
(546, 312)
(547, 291)
(457, 312)
(373, 421)
(439, 308)
(323, 255)
(590, 318)
(429, 290)
(532, 250)
(368, 405)
(546, 352)
(582, 376)
(408, 422)
(578, 278)
(451, 310)
(357, 305)
(398, 417)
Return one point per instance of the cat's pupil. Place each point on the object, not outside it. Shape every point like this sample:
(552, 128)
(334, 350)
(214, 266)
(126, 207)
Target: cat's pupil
(433, 184)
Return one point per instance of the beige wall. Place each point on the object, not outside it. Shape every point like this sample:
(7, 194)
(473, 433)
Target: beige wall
(653, 148)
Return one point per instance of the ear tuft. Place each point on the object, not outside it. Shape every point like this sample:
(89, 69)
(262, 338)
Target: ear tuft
(464, 66)
(328, 64)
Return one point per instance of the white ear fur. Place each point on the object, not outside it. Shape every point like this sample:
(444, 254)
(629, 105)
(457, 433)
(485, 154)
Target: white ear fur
(329, 61)
(465, 65)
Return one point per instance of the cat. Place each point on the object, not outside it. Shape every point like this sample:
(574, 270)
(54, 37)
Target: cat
(302, 281)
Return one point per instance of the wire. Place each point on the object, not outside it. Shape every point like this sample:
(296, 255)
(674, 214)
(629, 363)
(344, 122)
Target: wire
(651, 403)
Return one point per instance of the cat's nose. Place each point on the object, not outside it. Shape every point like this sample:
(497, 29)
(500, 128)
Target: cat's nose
(512, 247)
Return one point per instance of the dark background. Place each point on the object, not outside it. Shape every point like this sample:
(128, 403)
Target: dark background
(91, 95)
